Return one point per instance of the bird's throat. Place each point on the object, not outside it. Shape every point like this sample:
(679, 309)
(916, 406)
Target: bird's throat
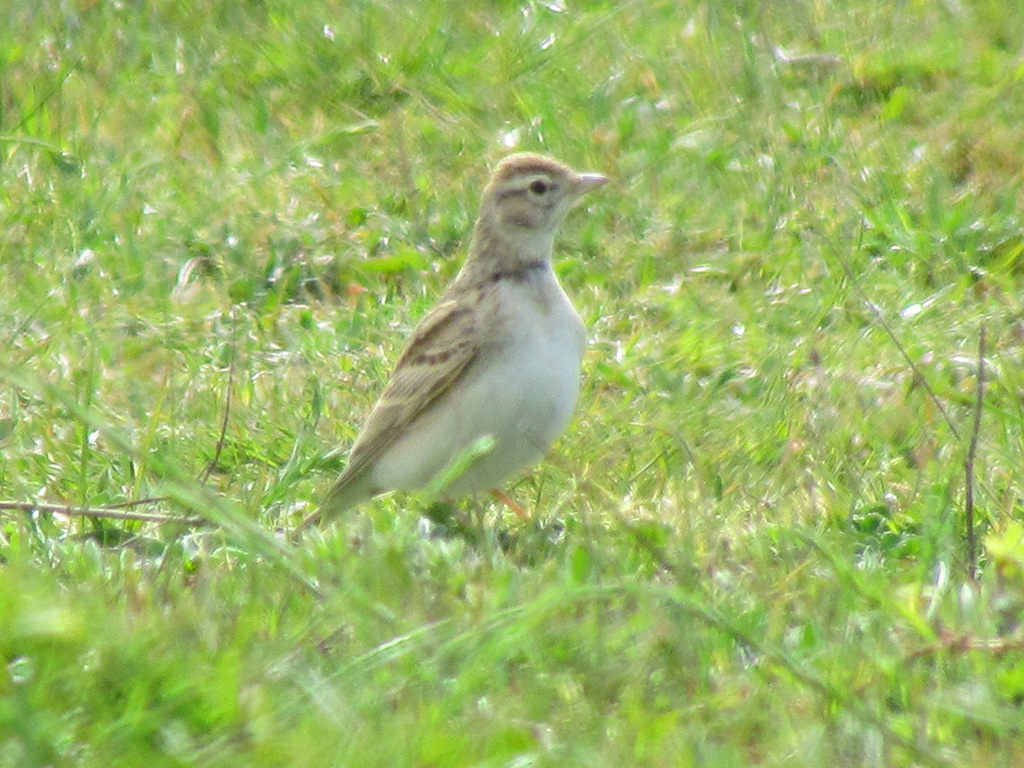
(496, 254)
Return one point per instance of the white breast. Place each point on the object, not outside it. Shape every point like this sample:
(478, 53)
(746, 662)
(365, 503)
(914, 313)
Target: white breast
(522, 394)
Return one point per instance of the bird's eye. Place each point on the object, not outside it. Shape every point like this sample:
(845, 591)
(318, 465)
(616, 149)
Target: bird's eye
(539, 187)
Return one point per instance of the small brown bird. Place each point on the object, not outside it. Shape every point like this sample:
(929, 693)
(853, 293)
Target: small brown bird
(498, 356)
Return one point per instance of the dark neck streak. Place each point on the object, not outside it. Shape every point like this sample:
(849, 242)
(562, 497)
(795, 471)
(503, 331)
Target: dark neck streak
(493, 259)
(520, 272)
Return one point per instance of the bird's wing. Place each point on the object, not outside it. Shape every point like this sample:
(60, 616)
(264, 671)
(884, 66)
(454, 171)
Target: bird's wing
(439, 351)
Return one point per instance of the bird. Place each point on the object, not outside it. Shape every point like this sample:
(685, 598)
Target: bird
(498, 357)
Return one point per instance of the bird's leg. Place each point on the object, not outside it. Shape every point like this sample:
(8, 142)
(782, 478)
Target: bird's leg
(508, 502)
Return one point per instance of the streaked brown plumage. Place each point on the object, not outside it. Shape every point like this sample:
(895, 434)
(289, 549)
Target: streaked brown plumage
(499, 355)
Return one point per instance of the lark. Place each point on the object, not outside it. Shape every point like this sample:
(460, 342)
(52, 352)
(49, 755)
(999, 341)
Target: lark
(498, 356)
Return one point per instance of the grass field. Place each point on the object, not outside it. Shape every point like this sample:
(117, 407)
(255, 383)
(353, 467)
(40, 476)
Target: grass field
(219, 220)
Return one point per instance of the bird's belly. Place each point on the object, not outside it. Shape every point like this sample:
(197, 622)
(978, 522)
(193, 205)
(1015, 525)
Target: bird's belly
(522, 397)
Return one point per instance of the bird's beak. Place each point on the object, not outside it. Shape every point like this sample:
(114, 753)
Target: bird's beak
(585, 182)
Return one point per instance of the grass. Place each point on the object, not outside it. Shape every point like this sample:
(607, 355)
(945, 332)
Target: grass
(749, 549)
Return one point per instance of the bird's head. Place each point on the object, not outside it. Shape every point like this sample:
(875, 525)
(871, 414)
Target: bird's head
(528, 196)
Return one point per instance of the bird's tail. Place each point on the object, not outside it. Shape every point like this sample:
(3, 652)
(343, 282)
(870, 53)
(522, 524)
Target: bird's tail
(345, 493)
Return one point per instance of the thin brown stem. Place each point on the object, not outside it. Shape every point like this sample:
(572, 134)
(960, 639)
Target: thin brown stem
(951, 643)
(918, 376)
(112, 513)
(972, 544)
(212, 464)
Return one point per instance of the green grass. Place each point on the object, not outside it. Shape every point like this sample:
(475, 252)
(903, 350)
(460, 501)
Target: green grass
(749, 548)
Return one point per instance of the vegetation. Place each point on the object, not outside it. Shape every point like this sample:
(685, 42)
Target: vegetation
(219, 219)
